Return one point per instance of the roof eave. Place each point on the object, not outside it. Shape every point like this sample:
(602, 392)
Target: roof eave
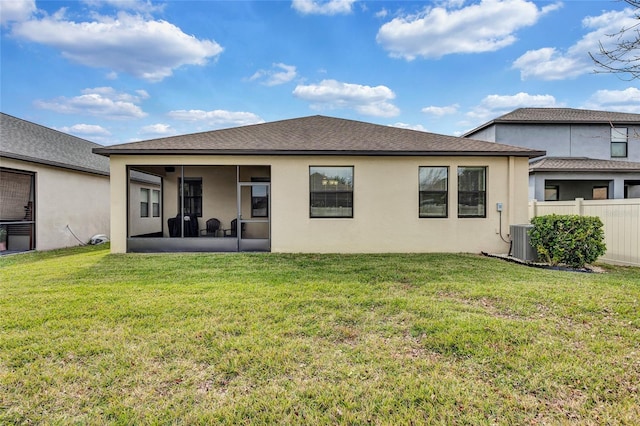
(53, 164)
(108, 152)
(592, 170)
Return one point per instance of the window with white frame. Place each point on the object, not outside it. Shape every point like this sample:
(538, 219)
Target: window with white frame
(619, 138)
(144, 202)
(155, 203)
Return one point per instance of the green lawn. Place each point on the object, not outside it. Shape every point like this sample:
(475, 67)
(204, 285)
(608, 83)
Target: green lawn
(92, 338)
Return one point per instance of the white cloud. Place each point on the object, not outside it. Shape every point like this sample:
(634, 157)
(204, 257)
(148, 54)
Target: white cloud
(135, 5)
(494, 106)
(217, 118)
(148, 49)
(85, 130)
(441, 111)
(332, 94)
(418, 127)
(437, 31)
(382, 13)
(158, 129)
(282, 73)
(318, 7)
(627, 100)
(101, 101)
(550, 63)
(16, 10)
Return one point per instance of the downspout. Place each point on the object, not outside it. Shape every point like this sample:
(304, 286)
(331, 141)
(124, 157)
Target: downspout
(511, 175)
(182, 201)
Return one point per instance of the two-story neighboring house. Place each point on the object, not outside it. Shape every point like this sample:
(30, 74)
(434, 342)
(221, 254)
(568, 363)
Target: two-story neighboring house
(590, 154)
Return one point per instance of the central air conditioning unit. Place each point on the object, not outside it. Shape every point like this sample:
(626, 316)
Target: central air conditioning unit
(521, 247)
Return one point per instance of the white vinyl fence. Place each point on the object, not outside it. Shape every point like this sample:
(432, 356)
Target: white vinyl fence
(621, 219)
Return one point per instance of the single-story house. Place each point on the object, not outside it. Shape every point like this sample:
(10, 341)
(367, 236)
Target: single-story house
(322, 184)
(590, 154)
(54, 191)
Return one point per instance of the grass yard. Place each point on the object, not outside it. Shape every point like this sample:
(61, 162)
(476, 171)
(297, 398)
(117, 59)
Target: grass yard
(92, 338)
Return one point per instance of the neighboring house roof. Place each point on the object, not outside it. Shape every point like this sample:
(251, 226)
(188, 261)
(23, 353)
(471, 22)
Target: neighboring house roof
(561, 115)
(577, 164)
(23, 140)
(317, 135)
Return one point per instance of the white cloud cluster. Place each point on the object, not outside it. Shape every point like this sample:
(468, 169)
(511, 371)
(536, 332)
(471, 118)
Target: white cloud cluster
(493, 106)
(280, 74)
(16, 10)
(136, 5)
(217, 118)
(158, 129)
(103, 102)
(627, 100)
(130, 43)
(441, 111)
(550, 63)
(418, 127)
(318, 7)
(438, 31)
(366, 100)
(85, 130)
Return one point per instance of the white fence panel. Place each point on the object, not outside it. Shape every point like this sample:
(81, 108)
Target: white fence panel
(621, 219)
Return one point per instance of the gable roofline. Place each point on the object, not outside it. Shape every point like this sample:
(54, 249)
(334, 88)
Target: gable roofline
(317, 135)
(560, 116)
(31, 142)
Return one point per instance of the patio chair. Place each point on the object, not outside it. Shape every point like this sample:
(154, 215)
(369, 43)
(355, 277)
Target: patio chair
(233, 232)
(212, 228)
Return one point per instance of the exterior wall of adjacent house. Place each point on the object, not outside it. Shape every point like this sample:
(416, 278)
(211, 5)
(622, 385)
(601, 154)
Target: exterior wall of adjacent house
(66, 201)
(563, 140)
(569, 140)
(385, 202)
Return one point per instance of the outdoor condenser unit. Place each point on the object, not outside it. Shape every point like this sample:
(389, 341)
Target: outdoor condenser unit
(521, 244)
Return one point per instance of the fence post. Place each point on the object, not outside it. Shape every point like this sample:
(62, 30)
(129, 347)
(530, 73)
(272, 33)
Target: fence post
(533, 208)
(579, 209)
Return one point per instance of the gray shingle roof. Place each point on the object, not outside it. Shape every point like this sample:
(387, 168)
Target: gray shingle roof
(568, 115)
(23, 140)
(317, 135)
(577, 164)
(561, 116)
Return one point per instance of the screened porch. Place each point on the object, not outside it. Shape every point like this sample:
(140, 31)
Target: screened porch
(185, 208)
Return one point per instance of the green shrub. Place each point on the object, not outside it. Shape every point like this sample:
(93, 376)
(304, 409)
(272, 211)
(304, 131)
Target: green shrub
(568, 239)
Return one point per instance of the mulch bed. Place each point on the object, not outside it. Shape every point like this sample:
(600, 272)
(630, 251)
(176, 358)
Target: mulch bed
(542, 265)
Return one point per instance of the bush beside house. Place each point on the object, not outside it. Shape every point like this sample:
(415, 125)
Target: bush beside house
(570, 240)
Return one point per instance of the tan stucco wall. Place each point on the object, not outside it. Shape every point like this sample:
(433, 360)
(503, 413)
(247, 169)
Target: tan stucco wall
(385, 203)
(66, 197)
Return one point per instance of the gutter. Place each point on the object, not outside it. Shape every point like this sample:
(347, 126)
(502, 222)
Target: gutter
(529, 154)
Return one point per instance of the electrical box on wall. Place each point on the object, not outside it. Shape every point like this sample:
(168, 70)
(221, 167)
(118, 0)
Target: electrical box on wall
(499, 207)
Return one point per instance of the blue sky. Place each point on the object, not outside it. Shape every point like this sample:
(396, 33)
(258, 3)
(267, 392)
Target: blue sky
(114, 71)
